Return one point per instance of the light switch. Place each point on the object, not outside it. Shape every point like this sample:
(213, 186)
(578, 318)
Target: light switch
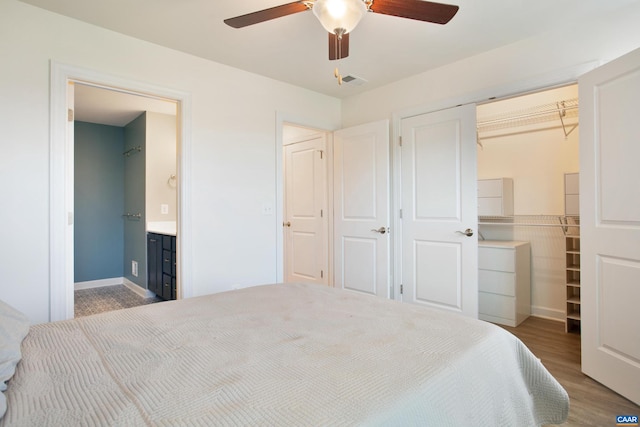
(267, 209)
(164, 209)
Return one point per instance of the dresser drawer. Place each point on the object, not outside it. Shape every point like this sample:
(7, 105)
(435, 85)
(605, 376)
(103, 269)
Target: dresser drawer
(497, 305)
(497, 282)
(490, 206)
(490, 188)
(496, 259)
(572, 204)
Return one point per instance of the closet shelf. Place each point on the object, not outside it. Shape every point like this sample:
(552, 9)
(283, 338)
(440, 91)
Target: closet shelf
(573, 315)
(565, 111)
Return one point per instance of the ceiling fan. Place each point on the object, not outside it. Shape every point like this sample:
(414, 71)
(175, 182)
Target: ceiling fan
(339, 17)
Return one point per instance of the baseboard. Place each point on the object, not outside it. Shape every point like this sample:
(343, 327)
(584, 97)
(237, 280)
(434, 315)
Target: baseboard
(98, 283)
(548, 313)
(144, 293)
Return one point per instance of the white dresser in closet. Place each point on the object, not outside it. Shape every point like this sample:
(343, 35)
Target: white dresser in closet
(504, 281)
(572, 194)
(495, 197)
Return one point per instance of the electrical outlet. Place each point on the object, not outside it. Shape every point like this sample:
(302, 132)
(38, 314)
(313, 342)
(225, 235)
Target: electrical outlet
(134, 268)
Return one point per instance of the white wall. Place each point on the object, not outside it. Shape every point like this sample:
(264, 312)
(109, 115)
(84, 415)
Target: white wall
(503, 71)
(160, 165)
(233, 159)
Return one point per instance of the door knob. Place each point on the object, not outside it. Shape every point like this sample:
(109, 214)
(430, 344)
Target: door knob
(286, 224)
(381, 230)
(468, 232)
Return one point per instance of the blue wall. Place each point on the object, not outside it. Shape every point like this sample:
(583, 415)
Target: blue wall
(99, 202)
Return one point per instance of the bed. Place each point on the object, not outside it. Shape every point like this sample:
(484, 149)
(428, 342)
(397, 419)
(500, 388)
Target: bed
(279, 355)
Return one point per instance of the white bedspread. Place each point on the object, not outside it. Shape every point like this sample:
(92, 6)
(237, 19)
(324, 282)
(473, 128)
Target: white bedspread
(280, 355)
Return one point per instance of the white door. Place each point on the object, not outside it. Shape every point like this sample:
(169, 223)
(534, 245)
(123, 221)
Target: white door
(305, 225)
(439, 205)
(610, 224)
(361, 208)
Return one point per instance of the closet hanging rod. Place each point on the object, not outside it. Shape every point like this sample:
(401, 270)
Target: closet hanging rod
(558, 110)
(566, 222)
(525, 224)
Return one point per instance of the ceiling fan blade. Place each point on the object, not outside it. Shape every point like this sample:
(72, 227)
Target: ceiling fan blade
(438, 13)
(266, 14)
(338, 47)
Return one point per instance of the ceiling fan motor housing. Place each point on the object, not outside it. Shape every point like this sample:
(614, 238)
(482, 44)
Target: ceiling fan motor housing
(339, 16)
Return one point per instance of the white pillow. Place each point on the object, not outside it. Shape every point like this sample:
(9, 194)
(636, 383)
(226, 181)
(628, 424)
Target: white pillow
(14, 326)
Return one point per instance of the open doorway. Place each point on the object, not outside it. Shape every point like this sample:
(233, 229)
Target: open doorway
(306, 213)
(124, 186)
(62, 213)
(529, 147)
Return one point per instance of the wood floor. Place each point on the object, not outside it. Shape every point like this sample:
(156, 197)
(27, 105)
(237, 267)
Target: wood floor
(592, 404)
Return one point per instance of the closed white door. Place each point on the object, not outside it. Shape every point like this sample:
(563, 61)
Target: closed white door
(305, 221)
(361, 208)
(439, 210)
(610, 224)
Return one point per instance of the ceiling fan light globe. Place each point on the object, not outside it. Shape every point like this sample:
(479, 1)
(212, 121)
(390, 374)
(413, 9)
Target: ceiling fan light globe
(339, 15)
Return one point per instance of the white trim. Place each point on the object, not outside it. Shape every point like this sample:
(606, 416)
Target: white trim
(548, 313)
(144, 293)
(294, 119)
(113, 281)
(90, 284)
(395, 173)
(61, 191)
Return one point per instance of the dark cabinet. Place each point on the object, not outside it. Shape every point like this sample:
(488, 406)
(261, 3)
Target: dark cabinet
(161, 263)
(154, 253)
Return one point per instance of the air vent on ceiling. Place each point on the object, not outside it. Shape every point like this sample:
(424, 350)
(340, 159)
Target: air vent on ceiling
(354, 80)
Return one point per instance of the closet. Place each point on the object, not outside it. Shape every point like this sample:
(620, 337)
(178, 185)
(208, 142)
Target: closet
(528, 196)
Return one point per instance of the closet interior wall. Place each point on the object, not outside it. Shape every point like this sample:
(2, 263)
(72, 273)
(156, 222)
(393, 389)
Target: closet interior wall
(535, 151)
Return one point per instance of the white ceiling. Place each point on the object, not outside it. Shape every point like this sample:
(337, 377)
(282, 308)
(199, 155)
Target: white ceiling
(294, 49)
(109, 107)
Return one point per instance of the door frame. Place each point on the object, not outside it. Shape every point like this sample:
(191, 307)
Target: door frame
(61, 179)
(284, 118)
